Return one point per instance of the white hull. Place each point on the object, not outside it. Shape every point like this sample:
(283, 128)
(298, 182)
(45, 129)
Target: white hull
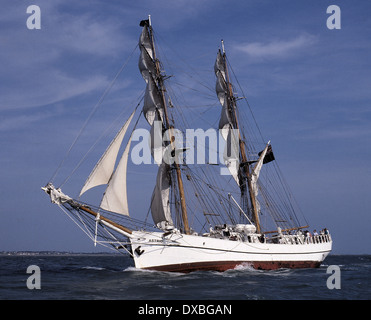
(185, 253)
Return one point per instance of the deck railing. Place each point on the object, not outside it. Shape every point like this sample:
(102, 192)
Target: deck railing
(301, 239)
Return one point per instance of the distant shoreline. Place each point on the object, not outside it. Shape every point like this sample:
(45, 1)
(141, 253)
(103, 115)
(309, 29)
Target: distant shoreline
(54, 253)
(102, 253)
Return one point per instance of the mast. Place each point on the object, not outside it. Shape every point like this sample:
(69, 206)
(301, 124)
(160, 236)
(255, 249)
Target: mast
(170, 128)
(246, 168)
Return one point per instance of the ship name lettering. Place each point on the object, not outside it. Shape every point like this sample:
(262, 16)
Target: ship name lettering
(154, 240)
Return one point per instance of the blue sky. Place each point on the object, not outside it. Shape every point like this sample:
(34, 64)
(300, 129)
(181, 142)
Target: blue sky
(309, 88)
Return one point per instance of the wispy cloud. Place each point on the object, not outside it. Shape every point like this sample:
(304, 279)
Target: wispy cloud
(19, 121)
(41, 67)
(277, 48)
(50, 87)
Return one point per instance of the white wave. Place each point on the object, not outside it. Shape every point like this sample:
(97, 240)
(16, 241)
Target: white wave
(244, 266)
(93, 268)
(133, 269)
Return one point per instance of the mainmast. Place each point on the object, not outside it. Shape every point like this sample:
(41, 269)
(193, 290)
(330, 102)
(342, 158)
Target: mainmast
(160, 81)
(231, 104)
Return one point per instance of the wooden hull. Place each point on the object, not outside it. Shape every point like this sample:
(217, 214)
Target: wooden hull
(187, 253)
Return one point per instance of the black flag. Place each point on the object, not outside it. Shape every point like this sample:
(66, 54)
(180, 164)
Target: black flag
(269, 156)
(144, 23)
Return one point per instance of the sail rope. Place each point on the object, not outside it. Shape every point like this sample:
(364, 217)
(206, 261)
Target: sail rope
(98, 104)
(276, 204)
(280, 180)
(205, 194)
(247, 102)
(87, 225)
(97, 141)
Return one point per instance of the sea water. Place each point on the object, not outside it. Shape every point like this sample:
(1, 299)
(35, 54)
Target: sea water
(64, 276)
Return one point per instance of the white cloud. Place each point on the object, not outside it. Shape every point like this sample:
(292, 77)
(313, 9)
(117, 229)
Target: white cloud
(277, 48)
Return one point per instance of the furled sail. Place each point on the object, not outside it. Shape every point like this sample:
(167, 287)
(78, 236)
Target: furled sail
(160, 205)
(103, 170)
(146, 64)
(255, 175)
(153, 108)
(152, 102)
(156, 141)
(231, 151)
(153, 111)
(222, 93)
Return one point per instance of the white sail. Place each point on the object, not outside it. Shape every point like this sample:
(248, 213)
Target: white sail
(255, 175)
(153, 108)
(231, 150)
(152, 102)
(103, 170)
(145, 42)
(115, 197)
(146, 64)
(160, 205)
(156, 141)
(222, 93)
(219, 65)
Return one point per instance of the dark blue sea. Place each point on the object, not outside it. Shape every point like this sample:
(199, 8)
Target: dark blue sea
(65, 276)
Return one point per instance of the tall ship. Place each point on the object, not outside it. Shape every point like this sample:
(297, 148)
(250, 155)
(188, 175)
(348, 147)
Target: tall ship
(205, 216)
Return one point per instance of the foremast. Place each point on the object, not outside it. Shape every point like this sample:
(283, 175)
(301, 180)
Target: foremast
(154, 74)
(229, 120)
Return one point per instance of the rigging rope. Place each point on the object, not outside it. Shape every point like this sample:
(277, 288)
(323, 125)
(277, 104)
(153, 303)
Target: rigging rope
(91, 114)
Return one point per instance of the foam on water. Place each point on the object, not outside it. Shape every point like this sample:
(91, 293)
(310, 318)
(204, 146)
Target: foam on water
(93, 268)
